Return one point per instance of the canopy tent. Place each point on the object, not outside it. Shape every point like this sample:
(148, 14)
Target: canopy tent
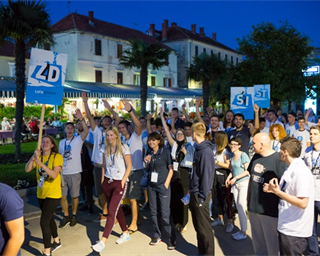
(73, 89)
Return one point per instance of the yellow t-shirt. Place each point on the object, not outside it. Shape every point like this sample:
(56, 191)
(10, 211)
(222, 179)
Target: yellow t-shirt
(51, 187)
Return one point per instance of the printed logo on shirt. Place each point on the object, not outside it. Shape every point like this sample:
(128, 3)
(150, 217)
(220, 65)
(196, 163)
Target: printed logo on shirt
(257, 179)
(259, 168)
(300, 138)
(288, 132)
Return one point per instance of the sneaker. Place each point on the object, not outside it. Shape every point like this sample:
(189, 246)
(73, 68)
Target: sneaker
(172, 245)
(99, 247)
(64, 222)
(155, 241)
(237, 233)
(123, 238)
(240, 236)
(229, 227)
(55, 246)
(217, 222)
(46, 254)
(84, 208)
(90, 211)
(73, 221)
(100, 218)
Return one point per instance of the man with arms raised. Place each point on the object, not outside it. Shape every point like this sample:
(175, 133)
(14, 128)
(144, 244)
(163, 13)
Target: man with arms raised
(263, 207)
(70, 149)
(134, 142)
(296, 207)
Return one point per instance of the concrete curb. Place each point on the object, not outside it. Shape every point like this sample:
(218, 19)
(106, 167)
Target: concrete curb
(27, 191)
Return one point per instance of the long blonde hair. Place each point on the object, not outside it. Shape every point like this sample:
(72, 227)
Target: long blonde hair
(118, 142)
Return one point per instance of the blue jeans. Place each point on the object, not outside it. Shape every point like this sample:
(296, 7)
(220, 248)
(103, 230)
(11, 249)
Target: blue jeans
(313, 245)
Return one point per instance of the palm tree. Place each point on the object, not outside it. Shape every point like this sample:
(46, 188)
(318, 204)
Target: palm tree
(141, 54)
(205, 69)
(25, 23)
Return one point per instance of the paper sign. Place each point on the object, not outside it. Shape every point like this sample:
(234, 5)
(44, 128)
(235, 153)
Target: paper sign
(242, 101)
(262, 95)
(46, 77)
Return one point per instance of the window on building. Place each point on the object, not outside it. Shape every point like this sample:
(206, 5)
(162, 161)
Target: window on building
(97, 47)
(219, 55)
(237, 60)
(204, 50)
(119, 78)
(166, 82)
(211, 52)
(119, 51)
(196, 50)
(226, 58)
(136, 79)
(231, 60)
(166, 61)
(153, 81)
(98, 76)
(12, 69)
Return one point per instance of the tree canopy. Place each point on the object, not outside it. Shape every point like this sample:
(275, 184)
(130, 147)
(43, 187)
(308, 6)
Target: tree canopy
(275, 56)
(141, 54)
(24, 23)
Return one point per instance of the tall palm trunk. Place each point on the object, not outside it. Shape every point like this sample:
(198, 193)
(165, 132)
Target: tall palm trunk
(205, 93)
(143, 89)
(20, 53)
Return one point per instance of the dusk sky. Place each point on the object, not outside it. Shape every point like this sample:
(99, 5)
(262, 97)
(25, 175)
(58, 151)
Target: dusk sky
(229, 19)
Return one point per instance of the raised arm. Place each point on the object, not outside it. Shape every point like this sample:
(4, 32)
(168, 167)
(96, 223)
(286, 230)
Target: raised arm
(88, 113)
(129, 108)
(85, 132)
(114, 113)
(198, 102)
(149, 123)
(256, 116)
(155, 114)
(186, 113)
(165, 126)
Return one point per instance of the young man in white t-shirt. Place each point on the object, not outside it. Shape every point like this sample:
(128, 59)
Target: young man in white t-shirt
(134, 141)
(272, 118)
(292, 125)
(296, 192)
(302, 135)
(70, 149)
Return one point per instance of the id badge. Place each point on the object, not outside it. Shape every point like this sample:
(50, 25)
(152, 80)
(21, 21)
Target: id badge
(189, 163)
(113, 171)
(154, 177)
(175, 166)
(41, 181)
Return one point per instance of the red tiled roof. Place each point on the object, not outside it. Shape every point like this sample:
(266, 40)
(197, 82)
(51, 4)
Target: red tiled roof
(7, 49)
(175, 33)
(75, 21)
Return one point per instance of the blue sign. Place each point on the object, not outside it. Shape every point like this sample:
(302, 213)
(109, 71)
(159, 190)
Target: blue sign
(46, 77)
(242, 101)
(262, 95)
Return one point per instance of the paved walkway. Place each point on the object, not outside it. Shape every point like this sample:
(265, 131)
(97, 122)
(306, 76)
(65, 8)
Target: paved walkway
(77, 240)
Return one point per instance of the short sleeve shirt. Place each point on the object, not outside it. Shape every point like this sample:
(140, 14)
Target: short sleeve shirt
(51, 187)
(11, 208)
(312, 160)
(115, 165)
(244, 135)
(262, 170)
(135, 145)
(71, 153)
(238, 166)
(303, 137)
(98, 146)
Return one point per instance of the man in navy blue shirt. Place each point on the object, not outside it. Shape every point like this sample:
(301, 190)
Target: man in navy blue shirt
(11, 221)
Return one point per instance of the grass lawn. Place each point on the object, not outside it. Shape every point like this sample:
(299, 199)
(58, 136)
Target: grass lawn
(11, 173)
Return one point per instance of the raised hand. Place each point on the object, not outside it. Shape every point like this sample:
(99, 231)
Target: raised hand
(198, 102)
(161, 111)
(127, 105)
(149, 116)
(78, 114)
(256, 108)
(84, 97)
(106, 104)
(183, 106)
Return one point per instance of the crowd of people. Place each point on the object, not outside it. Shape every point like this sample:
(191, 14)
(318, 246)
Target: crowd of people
(267, 167)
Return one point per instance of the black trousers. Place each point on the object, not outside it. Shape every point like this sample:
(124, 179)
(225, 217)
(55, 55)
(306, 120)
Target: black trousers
(202, 224)
(48, 226)
(291, 245)
(179, 188)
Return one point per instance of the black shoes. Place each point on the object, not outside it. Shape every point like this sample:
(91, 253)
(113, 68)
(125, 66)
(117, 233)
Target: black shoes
(64, 222)
(155, 241)
(55, 246)
(172, 245)
(73, 221)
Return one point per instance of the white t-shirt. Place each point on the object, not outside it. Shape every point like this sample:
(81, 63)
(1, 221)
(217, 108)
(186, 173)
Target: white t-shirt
(312, 160)
(71, 153)
(190, 140)
(304, 137)
(291, 129)
(115, 165)
(297, 181)
(98, 145)
(135, 145)
(275, 145)
(268, 123)
(265, 130)
(220, 158)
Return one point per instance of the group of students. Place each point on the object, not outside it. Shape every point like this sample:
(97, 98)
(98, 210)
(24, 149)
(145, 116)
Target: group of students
(195, 161)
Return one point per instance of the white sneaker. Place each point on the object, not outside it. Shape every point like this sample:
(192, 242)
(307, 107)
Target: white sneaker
(123, 238)
(240, 236)
(99, 246)
(217, 222)
(237, 233)
(229, 227)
